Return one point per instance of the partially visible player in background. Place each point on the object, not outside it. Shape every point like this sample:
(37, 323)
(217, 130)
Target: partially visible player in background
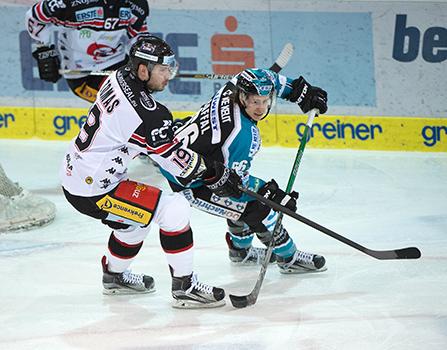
(21, 209)
(225, 130)
(91, 36)
(124, 121)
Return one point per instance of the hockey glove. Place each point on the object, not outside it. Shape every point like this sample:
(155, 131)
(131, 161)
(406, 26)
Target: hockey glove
(307, 96)
(225, 182)
(271, 191)
(48, 63)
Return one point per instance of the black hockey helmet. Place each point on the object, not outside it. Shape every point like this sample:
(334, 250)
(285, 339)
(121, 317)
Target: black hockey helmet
(151, 50)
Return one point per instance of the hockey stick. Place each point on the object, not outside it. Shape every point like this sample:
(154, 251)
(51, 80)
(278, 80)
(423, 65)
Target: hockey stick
(403, 253)
(241, 301)
(280, 62)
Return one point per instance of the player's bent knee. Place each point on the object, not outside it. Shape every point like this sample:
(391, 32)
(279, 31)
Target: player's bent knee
(174, 213)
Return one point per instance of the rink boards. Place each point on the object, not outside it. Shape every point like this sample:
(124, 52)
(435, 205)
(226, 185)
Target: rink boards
(391, 133)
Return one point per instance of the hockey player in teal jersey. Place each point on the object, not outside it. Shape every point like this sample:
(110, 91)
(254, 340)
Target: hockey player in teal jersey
(225, 130)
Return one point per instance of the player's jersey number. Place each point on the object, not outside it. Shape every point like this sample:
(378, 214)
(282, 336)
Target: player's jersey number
(88, 131)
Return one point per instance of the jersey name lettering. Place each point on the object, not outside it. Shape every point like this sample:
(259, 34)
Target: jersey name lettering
(108, 97)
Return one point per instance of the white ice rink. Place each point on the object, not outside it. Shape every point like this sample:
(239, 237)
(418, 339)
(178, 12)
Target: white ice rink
(50, 288)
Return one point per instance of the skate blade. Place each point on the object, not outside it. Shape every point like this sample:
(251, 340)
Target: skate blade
(122, 291)
(301, 270)
(191, 304)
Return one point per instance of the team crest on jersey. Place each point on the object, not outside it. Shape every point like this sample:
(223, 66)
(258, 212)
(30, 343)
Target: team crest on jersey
(89, 14)
(147, 101)
(159, 136)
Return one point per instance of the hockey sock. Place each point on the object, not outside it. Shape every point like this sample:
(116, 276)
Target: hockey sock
(178, 247)
(240, 234)
(120, 253)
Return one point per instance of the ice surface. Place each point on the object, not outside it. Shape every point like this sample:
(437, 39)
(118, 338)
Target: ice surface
(50, 288)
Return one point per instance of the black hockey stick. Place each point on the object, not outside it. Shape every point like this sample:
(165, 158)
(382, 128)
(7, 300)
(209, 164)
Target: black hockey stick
(241, 301)
(403, 253)
(280, 62)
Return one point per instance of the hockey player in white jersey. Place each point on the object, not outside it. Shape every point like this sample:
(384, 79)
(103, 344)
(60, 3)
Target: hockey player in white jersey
(124, 121)
(92, 35)
(225, 130)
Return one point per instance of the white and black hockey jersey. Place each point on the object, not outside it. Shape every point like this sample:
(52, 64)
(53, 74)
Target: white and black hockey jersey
(92, 34)
(124, 121)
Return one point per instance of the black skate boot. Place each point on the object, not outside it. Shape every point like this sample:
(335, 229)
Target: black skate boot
(247, 256)
(189, 293)
(301, 262)
(125, 282)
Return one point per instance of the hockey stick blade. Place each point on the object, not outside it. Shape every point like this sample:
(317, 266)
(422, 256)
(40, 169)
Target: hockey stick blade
(280, 63)
(283, 58)
(404, 253)
(241, 301)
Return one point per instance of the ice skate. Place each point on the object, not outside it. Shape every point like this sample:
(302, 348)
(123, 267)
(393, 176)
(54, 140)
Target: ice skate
(125, 282)
(247, 256)
(301, 262)
(189, 293)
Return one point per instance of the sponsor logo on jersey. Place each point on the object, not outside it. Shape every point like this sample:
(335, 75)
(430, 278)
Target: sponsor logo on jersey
(136, 8)
(85, 33)
(147, 101)
(100, 51)
(75, 3)
(68, 165)
(228, 203)
(124, 210)
(255, 142)
(89, 14)
(127, 90)
(214, 118)
(53, 5)
(209, 207)
(138, 189)
(125, 13)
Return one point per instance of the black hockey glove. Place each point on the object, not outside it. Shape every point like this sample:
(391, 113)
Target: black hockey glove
(308, 96)
(271, 191)
(225, 182)
(48, 63)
